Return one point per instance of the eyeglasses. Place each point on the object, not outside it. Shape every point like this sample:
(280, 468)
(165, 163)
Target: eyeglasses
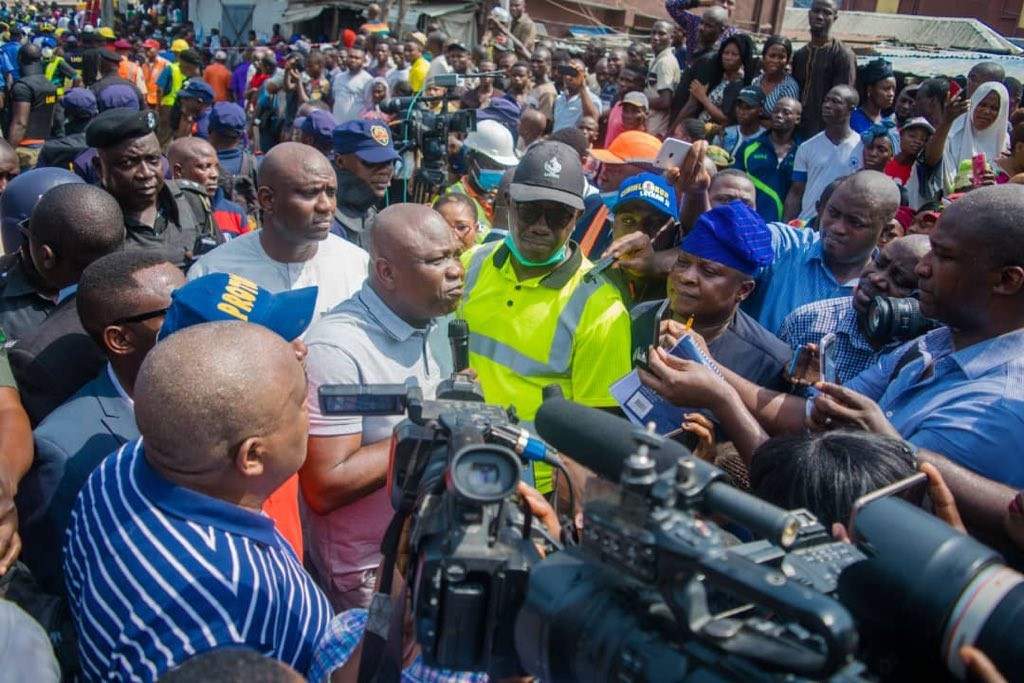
(140, 317)
(555, 215)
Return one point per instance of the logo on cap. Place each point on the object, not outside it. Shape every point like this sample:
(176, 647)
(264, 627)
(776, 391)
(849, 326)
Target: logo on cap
(552, 169)
(151, 120)
(380, 134)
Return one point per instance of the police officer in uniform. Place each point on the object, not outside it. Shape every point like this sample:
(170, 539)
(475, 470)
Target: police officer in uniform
(364, 159)
(33, 104)
(172, 216)
(25, 300)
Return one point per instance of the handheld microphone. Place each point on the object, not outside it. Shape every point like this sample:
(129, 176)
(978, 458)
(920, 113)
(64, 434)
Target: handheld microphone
(602, 442)
(458, 337)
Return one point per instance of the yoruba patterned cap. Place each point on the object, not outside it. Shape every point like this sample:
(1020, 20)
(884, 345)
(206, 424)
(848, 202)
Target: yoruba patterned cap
(733, 235)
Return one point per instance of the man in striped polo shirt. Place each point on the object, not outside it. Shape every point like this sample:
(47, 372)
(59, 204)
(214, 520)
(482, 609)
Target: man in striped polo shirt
(167, 554)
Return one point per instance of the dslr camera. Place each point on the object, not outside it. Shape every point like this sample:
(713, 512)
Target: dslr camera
(890, 319)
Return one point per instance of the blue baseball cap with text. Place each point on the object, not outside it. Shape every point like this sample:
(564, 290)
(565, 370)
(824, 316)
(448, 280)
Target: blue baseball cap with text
(226, 296)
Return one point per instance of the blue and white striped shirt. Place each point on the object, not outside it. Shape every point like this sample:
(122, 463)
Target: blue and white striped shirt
(157, 573)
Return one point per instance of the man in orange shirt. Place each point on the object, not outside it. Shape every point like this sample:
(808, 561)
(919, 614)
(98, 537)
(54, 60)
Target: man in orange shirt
(151, 69)
(218, 75)
(127, 69)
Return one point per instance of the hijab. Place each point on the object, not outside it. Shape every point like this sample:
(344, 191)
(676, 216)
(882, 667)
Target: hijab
(371, 110)
(964, 142)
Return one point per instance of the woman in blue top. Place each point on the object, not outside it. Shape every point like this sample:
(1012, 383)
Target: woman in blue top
(878, 85)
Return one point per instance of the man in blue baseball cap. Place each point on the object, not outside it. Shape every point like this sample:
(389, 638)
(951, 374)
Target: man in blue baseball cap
(317, 130)
(715, 271)
(191, 112)
(227, 124)
(79, 107)
(364, 162)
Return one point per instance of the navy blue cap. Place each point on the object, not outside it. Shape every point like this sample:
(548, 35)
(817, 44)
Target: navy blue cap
(506, 112)
(118, 96)
(320, 124)
(113, 126)
(650, 188)
(197, 89)
(80, 99)
(226, 296)
(368, 140)
(227, 117)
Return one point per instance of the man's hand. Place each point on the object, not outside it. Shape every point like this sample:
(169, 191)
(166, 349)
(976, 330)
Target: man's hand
(671, 331)
(692, 177)
(10, 541)
(541, 509)
(695, 423)
(943, 503)
(635, 254)
(837, 404)
(955, 107)
(979, 666)
(682, 382)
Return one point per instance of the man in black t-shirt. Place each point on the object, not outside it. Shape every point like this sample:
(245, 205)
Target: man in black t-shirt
(33, 101)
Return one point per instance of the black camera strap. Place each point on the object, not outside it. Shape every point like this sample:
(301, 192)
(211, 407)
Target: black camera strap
(382, 640)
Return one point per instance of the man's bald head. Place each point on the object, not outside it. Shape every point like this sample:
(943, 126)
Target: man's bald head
(716, 14)
(876, 190)
(72, 226)
(196, 410)
(403, 228)
(910, 246)
(184, 149)
(532, 124)
(987, 222)
(414, 262)
(287, 159)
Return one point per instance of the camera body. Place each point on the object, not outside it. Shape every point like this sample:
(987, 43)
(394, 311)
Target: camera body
(453, 469)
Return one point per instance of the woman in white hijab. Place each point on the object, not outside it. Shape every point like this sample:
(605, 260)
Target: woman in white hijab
(982, 130)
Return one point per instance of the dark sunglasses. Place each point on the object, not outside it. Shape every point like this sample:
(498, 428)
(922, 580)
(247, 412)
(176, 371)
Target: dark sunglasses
(556, 215)
(141, 317)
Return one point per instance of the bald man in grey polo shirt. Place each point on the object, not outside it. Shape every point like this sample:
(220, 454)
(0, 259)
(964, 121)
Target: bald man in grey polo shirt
(387, 333)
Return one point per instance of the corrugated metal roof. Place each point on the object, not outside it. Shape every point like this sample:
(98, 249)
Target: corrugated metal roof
(906, 29)
(943, 63)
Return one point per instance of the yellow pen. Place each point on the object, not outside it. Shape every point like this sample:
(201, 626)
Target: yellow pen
(689, 323)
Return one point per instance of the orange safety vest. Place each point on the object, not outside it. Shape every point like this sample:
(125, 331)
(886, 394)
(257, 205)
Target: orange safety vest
(150, 73)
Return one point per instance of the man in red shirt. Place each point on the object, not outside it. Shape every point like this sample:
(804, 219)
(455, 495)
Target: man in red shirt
(913, 137)
(218, 75)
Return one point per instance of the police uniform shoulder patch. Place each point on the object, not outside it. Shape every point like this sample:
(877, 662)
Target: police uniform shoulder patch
(189, 185)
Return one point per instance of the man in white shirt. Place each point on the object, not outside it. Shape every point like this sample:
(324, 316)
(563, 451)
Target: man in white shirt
(833, 153)
(295, 248)
(662, 79)
(575, 101)
(439, 65)
(349, 86)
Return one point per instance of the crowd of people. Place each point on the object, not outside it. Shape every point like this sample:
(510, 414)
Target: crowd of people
(198, 236)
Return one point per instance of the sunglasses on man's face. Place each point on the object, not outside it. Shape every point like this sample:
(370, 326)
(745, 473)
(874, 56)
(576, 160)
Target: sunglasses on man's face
(556, 215)
(140, 317)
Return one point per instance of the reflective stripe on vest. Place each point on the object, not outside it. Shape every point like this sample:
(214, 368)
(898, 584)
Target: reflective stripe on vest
(51, 74)
(559, 355)
(758, 183)
(177, 80)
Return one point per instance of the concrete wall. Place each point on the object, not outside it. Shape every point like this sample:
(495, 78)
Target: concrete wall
(209, 13)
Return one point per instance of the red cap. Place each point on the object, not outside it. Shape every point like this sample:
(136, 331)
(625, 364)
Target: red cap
(122, 44)
(151, 44)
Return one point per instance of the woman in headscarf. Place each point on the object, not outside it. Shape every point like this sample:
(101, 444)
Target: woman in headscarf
(376, 92)
(958, 139)
(880, 143)
(879, 84)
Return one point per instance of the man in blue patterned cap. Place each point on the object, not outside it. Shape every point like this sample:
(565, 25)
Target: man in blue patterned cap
(191, 113)
(715, 271)
(364, 163)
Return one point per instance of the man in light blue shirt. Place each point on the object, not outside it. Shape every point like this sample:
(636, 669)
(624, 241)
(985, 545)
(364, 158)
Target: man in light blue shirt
(957, 393)
(811, 266)
(575, 101)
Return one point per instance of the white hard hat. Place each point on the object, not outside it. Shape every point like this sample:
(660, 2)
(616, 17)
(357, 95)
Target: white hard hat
(494, 141)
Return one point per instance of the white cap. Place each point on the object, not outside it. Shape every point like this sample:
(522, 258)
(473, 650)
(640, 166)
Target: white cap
(47, 52)
(501, 15)
(494, 141)
(220, 56)
(88, 28)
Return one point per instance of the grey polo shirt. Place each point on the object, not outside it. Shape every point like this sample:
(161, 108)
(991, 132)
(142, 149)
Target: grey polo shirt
(363, 341)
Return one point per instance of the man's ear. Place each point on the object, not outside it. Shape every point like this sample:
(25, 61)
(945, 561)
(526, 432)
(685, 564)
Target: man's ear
(176, 171)
(385, 273)
(118, 340)
(97, 164)
(250, 456)
(745, 289)
(1011, 281)
(49, 257)
(265, 196)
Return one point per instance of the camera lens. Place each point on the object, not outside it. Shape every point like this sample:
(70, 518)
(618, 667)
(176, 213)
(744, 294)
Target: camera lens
(890, 319)
(484, 473)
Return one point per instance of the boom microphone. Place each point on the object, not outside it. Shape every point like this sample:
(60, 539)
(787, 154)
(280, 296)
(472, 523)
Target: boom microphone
(458, 337)
(602, 442)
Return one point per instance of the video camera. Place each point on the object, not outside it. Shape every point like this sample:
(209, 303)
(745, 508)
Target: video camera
(427, 131)
(453, 467)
